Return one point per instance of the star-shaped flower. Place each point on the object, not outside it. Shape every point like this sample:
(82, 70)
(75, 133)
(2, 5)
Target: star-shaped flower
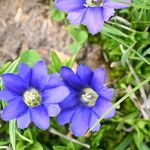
(32, 95)
(92, 13)
(89, 98)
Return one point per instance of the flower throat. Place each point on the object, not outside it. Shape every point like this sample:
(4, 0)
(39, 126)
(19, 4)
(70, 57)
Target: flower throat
(89, 97)
(94, 3)
(32, 97)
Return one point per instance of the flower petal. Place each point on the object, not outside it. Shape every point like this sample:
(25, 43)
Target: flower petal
(70, 78)
(13, 109)
(39, 75)
(98, 79)
(76, 17)
(68, 5)
(102, 106)
(40, 117)
(25, 72)
(85, 74)
(107, 13)
(55, 95)
(71, 101)
(8, 95)
(106, 93)
(117, 5)
(94, 120)
(53, 109)
(24, 120)
(54, 81)
(14, 83)
(93, 19)
(80, 121)
(66, 115)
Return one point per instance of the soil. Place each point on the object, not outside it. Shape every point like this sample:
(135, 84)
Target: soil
(27, 24)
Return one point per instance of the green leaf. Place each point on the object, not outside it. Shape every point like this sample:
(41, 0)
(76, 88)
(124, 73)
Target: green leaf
(23, 137)
(126, 45)
(144, 147)
(125, 143)
(147, 52)
(79, 36)
(71, 62)
(56, 62)
(112, 30)
(12, 67)
(75, 47)
(36, 146)
(28, 134)
(59, 148)
(30, 57)
(4, 143)
(12, 133)
(125, 56)
(56, 14)
(4, 67)
(71, 146)
(21, 146)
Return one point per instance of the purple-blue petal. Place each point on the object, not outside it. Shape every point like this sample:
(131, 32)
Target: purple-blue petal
(14, 83)
(40, 117)
(107, 13)
(53, 81)
(39, 75)
(93, 19)
(24, 71)
(53, 109)
(69, 5)
(66, 115)
(102, 106)
(24, 120)
(94, 119)
(98, 79)
(85, 74)
(106, 93)
(55, 95)
(76, 17)
(71, 101)
(13, 109)
(80, 121)
(8, 95)
(70, 78)
(117, 5)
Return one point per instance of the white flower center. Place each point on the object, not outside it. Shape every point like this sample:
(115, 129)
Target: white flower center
(94, 3)
(89, 97)
(32, 97)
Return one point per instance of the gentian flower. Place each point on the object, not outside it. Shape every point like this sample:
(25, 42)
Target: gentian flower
(92, 13)
(89, 99)
(32, 95)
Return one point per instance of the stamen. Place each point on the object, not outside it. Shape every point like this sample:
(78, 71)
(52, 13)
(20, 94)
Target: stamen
(32, 97)
(94, 3)
(89, 97)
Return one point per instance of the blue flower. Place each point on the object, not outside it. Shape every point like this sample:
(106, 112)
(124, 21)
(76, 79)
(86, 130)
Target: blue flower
(32, 95)
(89, 98)
(92, 13)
